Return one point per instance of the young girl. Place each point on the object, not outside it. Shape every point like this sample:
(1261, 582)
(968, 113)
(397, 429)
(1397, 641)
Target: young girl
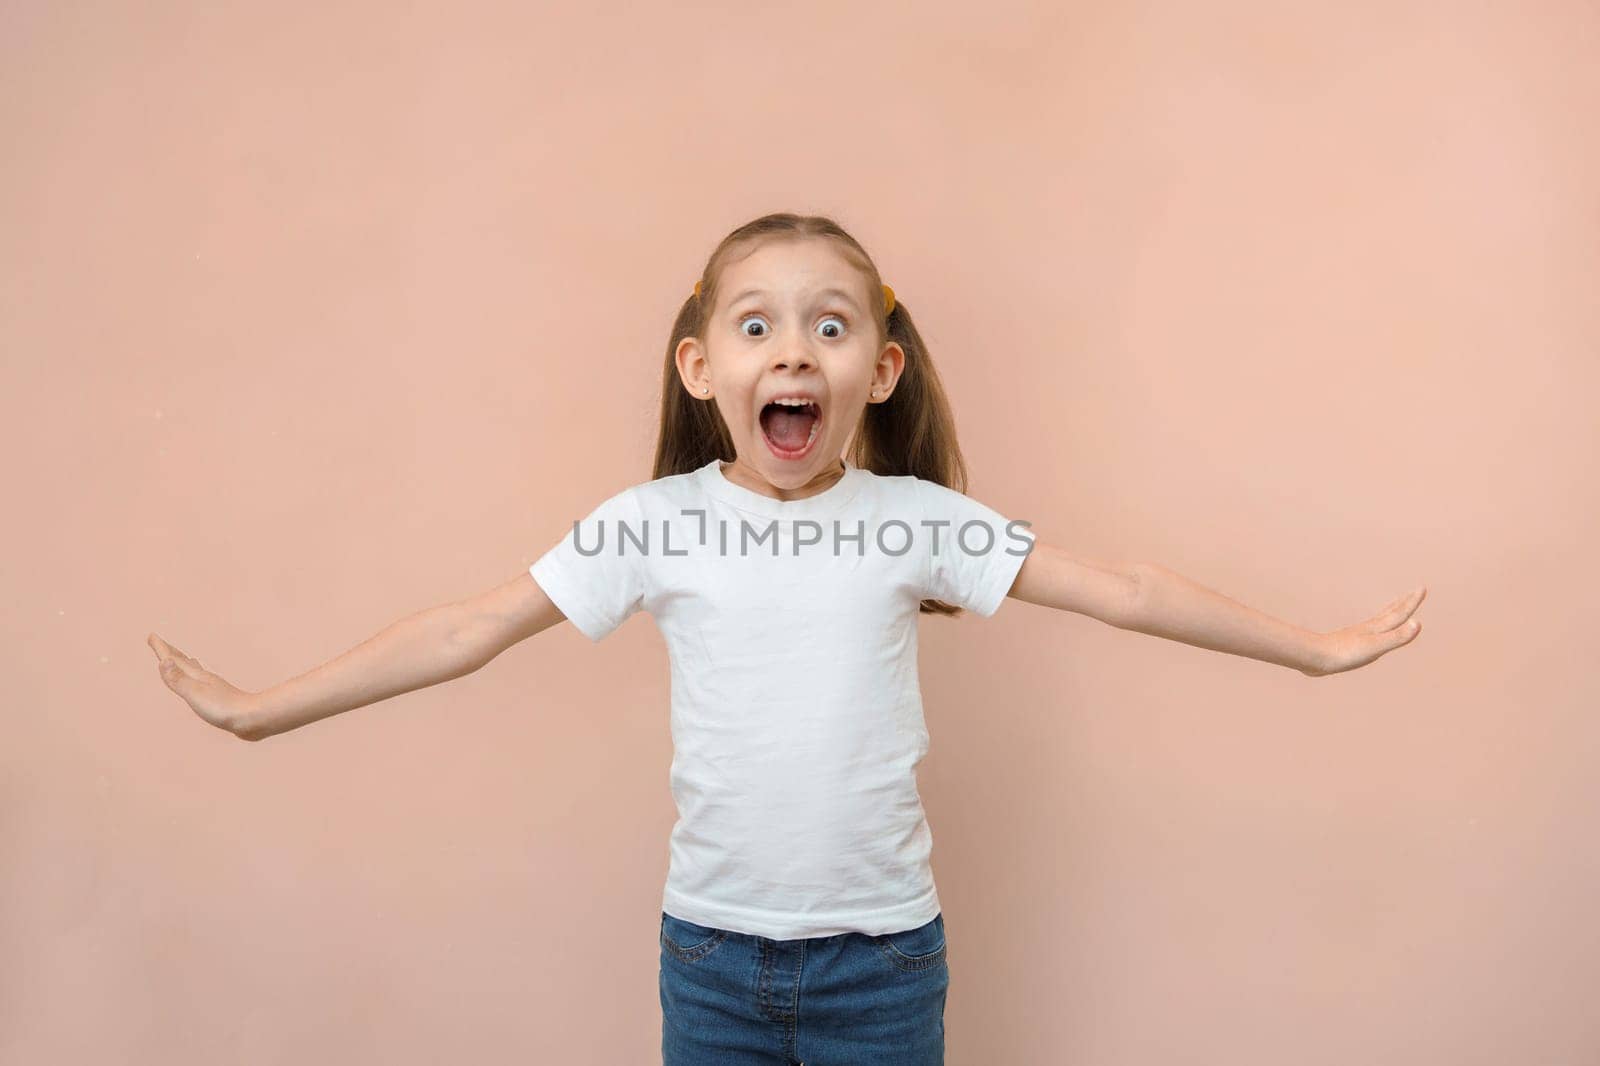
(807, 506)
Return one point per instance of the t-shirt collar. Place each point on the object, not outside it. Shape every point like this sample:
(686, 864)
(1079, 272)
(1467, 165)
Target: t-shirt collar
(835, 496)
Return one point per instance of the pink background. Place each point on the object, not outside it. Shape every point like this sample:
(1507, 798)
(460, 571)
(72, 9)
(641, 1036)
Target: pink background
(314, 317)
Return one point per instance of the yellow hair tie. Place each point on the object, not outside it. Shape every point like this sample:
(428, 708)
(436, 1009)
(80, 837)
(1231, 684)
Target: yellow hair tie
(888, 298)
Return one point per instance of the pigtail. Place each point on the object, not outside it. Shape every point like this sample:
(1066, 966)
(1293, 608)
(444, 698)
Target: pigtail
(913, 431)
(692, 432)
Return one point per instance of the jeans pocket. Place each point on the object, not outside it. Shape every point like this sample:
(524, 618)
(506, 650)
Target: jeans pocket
(688, 941)
(922, 948)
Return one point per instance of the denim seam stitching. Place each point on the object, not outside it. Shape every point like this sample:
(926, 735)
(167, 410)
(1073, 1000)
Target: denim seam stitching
(794, 1014)
(908, 963)
(698, 951)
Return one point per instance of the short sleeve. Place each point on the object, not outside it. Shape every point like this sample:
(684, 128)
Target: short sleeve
(973, 552)
(595, 574)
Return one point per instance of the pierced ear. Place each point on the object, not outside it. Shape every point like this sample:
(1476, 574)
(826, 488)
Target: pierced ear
(688, 352)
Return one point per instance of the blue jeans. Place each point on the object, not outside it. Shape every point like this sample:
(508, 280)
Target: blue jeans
(733, 999)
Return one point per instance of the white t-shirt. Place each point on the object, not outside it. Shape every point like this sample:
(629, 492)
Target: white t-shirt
(797, 727)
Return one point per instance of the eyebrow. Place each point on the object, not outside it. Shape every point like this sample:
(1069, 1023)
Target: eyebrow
(831, 291)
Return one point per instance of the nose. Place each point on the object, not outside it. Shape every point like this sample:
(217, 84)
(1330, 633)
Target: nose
(796, 356)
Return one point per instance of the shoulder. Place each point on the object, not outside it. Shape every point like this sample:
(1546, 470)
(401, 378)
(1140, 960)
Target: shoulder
(666, 495)
(905, 485)
(941, 503)
(932, 496)
(920, 496)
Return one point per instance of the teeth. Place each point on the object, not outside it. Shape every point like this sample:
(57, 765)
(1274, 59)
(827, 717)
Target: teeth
(792, 402)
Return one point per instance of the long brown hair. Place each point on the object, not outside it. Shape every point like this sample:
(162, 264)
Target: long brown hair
(912, 432)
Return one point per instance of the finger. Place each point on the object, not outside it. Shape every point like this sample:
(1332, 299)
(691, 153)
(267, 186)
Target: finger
(1397, 612)
(1405, 634)
(174, 674)
(167, 651)
(1377, 645)
(183, 657)
(1412, 603)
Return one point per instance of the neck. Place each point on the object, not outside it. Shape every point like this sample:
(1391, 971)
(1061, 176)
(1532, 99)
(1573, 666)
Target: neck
(748, 477)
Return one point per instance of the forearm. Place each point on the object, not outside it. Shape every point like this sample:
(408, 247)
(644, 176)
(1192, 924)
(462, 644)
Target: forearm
(1170, 605)
(417, 651)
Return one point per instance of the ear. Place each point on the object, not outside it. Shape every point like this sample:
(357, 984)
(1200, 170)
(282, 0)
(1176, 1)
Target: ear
(886, 372)
(693, 368)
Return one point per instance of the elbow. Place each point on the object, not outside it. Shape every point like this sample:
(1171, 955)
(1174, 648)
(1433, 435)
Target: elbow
(1138, 580)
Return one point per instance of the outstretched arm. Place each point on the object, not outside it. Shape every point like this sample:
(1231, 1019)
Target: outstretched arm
(434, 645)
(1148, 598)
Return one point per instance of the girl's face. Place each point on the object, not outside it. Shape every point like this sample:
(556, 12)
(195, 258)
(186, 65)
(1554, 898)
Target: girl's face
(791, 322)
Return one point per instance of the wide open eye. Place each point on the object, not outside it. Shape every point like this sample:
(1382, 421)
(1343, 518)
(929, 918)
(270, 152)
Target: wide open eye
(834, 318)
(747, 318)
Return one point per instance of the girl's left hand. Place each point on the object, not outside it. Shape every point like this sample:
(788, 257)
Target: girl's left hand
(1357, 645)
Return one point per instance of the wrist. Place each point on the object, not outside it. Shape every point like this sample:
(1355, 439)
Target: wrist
(1315, 655)
(250, 721)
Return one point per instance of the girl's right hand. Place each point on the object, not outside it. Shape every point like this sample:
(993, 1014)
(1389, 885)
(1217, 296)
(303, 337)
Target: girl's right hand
(208, 695)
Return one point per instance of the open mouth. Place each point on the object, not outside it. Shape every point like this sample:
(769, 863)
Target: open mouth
(791, 429)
